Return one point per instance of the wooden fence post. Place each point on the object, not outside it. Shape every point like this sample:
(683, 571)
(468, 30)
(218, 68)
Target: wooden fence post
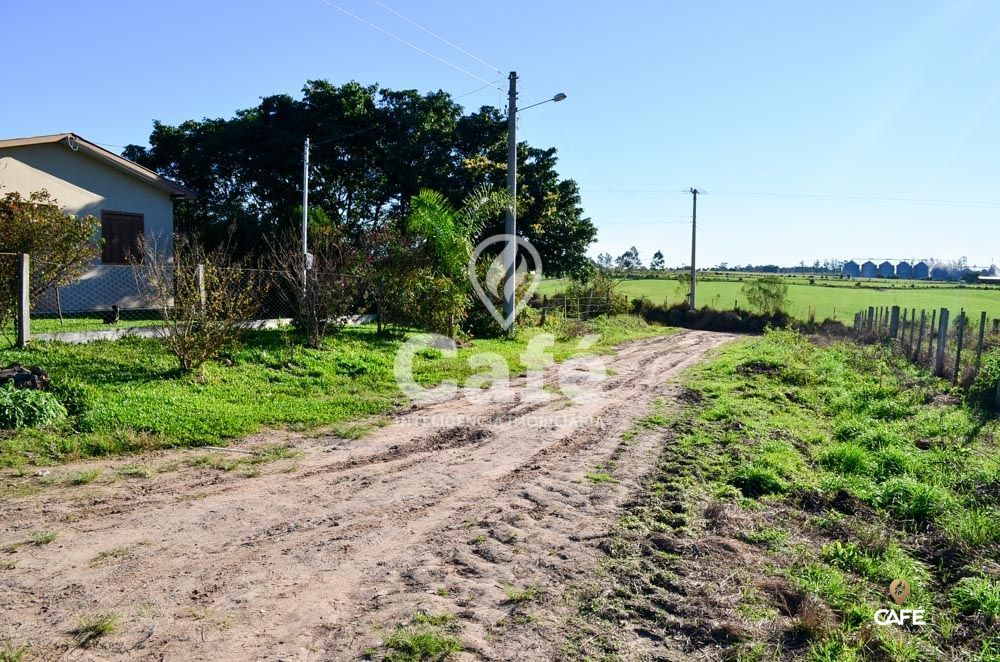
(23, 300)
(930, 335)
(982, 335)
(942, 338)
(902, 335)
(958, 352)
(920, 338)
(871, 317)
(894, 322)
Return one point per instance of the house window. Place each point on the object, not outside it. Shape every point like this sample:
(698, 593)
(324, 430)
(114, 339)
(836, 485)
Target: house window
(122, 235)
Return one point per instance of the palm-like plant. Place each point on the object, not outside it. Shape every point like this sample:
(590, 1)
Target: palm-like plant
(450, 232)
(447, 234)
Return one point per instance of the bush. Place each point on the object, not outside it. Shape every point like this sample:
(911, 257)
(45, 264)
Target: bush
(26, 408)
(768, 294)
(708, 319)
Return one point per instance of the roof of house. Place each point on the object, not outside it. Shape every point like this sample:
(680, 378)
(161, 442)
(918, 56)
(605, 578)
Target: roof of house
(76, 143)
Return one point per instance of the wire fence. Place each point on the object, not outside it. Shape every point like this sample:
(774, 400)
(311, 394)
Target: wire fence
(139, 298)
(575, 308)
(950, 345)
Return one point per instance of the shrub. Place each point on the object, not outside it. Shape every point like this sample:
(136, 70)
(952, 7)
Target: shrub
(25, 408)
(768, 294)
(61, 245)
(72, 396)
(205, 299)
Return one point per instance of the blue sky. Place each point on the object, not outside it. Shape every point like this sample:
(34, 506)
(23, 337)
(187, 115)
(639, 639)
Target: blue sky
(815, 127)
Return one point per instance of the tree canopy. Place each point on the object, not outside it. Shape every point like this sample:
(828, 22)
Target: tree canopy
(374, 149)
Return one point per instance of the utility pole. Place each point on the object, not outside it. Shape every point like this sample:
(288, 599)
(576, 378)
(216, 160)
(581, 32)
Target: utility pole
(305, 215)
(694, 235)
(510, 222)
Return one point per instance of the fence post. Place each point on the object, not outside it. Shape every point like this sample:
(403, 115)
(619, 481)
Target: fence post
(199, 276)
(982, 335)
(894, 322)
(942, 338)
(871, 318)
(920, 337)
(958, 352)
(545, 307)
(23, 300)
(930, 334)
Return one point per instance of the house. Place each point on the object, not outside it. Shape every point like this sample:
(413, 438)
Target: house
(131, 202)
(921, 271)
(904, 270)
(869, 270)
(851, 269)
(886, 270)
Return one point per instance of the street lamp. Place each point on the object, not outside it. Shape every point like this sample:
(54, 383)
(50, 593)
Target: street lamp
(510, 223)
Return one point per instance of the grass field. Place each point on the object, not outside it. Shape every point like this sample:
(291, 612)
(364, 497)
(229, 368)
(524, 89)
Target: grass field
(836, 299)
(132, 397)
(797, 484)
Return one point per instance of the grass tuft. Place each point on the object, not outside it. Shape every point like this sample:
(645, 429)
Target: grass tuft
(92, 628)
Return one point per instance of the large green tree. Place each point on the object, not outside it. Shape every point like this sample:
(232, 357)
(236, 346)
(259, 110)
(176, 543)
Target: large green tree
(374, 149)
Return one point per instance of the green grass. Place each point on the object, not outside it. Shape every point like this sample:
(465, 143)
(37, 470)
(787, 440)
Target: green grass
(129, 396)
(871, 476)
(515, 595)
(74, 322)
(599, 477)
(833, 298)
(9, 652)
(428, 637)
(40, 538)
(136, 471)
(84, 477)
(92, 628)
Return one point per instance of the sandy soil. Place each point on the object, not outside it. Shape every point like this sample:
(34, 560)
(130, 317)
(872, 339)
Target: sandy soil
(442, 510)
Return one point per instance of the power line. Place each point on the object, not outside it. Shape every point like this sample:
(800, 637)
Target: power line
(405, 42)
(437, 36)
(815, 196)
(478, 89)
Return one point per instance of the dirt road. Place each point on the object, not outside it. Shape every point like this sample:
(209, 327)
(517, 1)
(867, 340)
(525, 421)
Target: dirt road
(449, 508)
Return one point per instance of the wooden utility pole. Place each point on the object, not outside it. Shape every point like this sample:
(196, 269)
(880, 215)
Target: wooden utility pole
(694, 236)
(510, 220)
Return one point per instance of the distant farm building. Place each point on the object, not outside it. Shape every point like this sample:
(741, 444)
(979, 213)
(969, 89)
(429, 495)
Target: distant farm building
(869, 270)
(921, 271)
(904, 270)
(940, 272)
(886, 270)
(851, 269)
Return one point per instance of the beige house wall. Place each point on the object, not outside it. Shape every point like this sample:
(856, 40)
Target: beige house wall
(83, 185)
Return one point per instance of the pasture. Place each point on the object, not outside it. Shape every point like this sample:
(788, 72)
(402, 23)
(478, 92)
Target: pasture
(828, 298)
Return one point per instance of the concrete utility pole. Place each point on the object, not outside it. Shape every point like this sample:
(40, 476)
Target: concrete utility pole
(510, 223)
(305, 214)
(694, 235)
